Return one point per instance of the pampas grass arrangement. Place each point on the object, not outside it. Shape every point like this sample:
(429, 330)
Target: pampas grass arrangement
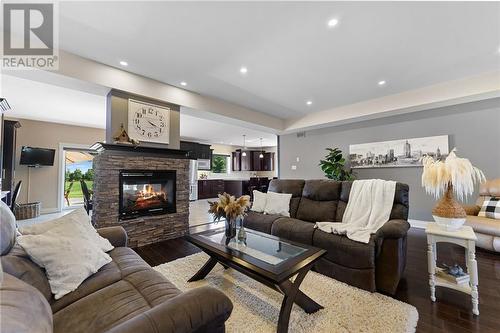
(453, 176)
(457, 172)
(229, 207)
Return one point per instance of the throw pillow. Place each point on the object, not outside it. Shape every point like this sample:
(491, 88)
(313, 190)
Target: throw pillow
(490, 208)
(259, 201)
(278, 203)
(79, 216)
(67, 253)
(8, 225)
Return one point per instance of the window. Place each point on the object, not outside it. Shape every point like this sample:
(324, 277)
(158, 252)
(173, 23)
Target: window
(220, 163)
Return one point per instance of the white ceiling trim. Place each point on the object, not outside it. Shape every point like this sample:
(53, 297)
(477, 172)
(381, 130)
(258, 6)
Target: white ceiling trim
(464, 90)
(91, 71)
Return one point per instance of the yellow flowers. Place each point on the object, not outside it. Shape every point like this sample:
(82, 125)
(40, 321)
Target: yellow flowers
(229, 207)
(455, 171)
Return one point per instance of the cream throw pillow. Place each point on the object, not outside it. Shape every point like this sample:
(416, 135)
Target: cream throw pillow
(278, 203)
(68, 254)
(259, 201)
(78, 216)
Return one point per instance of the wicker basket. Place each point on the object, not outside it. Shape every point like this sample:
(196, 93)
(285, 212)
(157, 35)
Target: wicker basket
(27, 211)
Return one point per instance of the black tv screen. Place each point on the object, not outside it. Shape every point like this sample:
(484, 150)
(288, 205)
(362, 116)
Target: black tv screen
(37, 156)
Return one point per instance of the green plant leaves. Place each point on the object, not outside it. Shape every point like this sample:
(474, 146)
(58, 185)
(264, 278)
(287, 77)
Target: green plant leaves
(334, 165)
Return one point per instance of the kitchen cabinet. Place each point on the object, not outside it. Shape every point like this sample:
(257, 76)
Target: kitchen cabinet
(236, 160)
(267, 163)
(196, 150)
(210, 188)
(246, 161)
(252, 162)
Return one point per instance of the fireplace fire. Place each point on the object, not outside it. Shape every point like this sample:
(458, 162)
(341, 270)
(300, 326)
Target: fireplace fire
(144, 192)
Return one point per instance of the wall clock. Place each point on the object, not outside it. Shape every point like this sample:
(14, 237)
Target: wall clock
(148, 122)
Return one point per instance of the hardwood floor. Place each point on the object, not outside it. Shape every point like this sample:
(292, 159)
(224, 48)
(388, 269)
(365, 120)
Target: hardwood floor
(452, 310)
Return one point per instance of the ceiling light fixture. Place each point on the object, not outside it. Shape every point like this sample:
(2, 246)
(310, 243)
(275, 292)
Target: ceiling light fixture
(309, 102)
(261, 150)
(381, 83)
(332, 22)
(183, 83)
(243, 70)
(123, 63)
(244, 153)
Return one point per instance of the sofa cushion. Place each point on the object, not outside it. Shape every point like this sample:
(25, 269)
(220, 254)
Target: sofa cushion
(18, 264)
(260, 222)
(343, 251)
(8, 229)
(319, 201)
(116, 303)
(23, 309)
(484, 225)
(293, 229)
(292, 186)
(125, 262)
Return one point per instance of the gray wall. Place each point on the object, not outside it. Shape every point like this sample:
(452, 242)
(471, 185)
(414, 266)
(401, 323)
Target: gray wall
(117, 114)
(474, 128)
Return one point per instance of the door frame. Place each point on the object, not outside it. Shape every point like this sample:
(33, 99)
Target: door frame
(62, 171)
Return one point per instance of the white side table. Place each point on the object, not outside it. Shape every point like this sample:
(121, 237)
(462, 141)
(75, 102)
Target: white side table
(464, 237)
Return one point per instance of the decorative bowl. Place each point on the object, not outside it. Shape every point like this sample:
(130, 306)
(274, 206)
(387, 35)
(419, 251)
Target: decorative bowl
(449, 223)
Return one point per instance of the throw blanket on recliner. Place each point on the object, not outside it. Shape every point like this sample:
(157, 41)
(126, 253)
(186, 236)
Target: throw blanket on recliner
(369, 207)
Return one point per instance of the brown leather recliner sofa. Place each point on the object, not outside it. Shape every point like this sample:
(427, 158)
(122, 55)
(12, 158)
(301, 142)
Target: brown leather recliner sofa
(376, 266)
(126, 295)
(486, 229)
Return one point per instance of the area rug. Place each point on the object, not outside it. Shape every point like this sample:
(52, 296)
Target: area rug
(256, 307)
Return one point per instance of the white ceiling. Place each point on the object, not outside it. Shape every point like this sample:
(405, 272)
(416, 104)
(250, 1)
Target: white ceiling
(291, 54)
(81, 104)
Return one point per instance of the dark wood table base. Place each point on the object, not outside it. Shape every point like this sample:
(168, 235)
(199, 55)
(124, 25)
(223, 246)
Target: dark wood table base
(290, 289)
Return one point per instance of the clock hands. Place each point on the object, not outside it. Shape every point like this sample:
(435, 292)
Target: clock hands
(152, 123)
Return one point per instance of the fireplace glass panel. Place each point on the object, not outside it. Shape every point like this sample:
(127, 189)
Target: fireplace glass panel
(146, 193)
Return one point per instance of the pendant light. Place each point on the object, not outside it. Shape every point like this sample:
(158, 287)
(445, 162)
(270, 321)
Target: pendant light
(244, 153)
(261, 151)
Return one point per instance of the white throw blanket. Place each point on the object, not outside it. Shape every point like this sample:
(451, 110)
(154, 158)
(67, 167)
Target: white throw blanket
(369, 207)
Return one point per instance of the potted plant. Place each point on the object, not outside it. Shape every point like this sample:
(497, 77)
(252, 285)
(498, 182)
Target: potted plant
(231, 209)
(455, 176)
(334, 166)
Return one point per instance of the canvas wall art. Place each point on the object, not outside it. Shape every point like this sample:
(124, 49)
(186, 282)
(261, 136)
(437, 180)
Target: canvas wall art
(398, 153)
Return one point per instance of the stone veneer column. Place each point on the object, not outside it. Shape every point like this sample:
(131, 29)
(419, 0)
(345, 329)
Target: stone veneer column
(145, 229)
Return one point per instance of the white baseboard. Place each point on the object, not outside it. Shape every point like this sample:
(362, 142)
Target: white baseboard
(419, 224)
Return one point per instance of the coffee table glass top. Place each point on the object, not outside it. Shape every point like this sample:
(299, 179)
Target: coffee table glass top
(260, 246)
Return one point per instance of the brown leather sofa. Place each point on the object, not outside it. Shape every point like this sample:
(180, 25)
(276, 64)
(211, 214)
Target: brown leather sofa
(487, 229)
(126, 295)
(376, 266)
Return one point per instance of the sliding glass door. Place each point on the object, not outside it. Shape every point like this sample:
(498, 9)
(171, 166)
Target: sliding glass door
(77, 169)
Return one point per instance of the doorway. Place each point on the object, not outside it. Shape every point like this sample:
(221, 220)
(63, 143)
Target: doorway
(77, 168)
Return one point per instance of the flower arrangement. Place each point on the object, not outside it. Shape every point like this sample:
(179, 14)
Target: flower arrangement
(229, 207)
(443, 179)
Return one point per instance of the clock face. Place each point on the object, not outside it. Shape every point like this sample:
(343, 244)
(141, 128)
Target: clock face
(148, 122)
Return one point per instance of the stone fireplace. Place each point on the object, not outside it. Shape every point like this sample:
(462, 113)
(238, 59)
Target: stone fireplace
(145, 190)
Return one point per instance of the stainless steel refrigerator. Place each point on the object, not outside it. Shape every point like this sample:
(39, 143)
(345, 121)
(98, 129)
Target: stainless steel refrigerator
(193, 180)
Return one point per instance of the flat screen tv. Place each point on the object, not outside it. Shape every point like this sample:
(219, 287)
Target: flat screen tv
(37, 156)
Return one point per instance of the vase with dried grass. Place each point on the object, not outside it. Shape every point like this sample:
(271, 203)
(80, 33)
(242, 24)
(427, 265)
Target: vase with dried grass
(446, 179)
(230, 208)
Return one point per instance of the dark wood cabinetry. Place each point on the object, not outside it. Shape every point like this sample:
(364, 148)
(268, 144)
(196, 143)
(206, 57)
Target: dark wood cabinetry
(9, 133)
(236, 160)
(210, 188)
(252, 161)
(246, 161)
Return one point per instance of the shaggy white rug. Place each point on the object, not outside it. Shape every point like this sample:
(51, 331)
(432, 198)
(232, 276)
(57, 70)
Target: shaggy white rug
(256, 307)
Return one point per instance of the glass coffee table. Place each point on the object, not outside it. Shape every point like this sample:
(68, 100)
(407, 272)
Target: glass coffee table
(265, 258)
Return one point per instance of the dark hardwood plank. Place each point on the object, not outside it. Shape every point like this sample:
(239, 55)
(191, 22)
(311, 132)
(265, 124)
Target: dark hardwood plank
(452, 312)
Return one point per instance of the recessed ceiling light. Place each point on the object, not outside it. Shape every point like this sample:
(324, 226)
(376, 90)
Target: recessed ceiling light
(183, 83)
(381, 83)
(332, 22)
(243, 70)
(123, 63)
(309, 102)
